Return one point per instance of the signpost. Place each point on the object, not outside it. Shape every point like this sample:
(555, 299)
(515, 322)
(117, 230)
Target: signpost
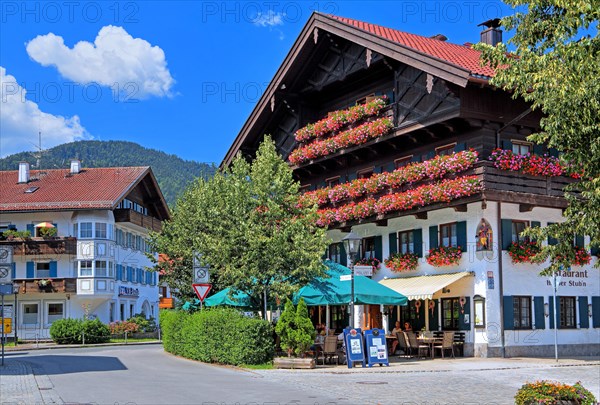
(5, 289)
(201, 291)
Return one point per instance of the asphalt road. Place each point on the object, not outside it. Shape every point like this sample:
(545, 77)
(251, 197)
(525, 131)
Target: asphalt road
(148, 375)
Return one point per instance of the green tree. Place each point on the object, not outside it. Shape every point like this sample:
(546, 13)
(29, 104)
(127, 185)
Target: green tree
(247, 225)
(305, 331)
(286, 326)
(554, 66)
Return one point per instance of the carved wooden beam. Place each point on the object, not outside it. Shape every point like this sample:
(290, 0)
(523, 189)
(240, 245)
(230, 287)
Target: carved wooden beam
(381, 222)
(526, 207)
(421, 215)
(460, 208)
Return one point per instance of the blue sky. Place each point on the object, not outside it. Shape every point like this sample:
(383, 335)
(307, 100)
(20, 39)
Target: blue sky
(181, 77)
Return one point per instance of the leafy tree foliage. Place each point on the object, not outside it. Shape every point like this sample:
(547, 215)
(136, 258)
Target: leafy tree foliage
(295, 329)
(172, 173)
(248, 226)
(555, 66)
(286, 325)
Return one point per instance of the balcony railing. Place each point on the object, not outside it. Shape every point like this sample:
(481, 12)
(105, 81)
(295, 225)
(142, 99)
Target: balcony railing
(136, 218)
(42, 246)
(55, 285)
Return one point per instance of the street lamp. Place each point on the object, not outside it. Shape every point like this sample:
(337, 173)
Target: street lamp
(555, 283)
(351, 245)
(16, 289)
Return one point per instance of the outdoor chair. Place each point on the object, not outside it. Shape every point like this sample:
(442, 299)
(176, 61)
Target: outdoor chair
(447, 344)
(403, 343)
(330, 349)
(415, 345)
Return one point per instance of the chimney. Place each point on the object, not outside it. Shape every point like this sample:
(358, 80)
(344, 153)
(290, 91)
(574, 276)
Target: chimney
(492, 34)
(75, 166)
(23, 172)
(440, 37)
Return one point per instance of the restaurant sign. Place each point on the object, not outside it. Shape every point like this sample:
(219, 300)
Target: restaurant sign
(128, 291)
(578, 278)
(363, 271)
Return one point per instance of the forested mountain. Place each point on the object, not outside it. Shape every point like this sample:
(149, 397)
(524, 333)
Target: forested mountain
(173, 173)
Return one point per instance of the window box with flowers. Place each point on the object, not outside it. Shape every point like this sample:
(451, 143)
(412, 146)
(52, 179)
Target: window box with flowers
(400, 262)
(366, 267)
(444, 256)
(524, 252)
(580, 257)
(44, 284)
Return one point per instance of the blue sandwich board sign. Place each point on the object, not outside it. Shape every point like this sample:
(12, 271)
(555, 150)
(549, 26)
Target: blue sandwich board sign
(377, 352)
(354, 346)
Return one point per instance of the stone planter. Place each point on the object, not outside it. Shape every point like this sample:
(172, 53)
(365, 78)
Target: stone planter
(293, 363)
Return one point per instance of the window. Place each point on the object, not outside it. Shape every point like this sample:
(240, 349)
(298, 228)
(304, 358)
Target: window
(100, 230)
(406, 242)
(522, 312)
(332, 182)
(111, 232)
(448, 235)
(42, 269)
(111, 269)
(567, 311)
(100, 268)
(85, 268)
(450, 311)
(365, 174)
(75, 230)
(368, 245)
(334, 253)
(111, 312)
(305, 188)
(85, 230)
(517, 228)
(122, 311)
(521, 148)
(445, 150)
(30, 314)
(403, 161)
(55, 312)
(131, 310)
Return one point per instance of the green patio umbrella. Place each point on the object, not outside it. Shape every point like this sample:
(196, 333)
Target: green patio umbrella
(333, 291)
(238, 299)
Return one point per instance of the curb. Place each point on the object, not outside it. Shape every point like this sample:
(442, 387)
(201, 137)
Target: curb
(25, 347)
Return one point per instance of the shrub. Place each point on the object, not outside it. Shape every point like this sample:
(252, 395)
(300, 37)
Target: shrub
(95, 331)
(144, 325)
(66, 331)
(295, 329)
(217, 335)
(120, 327)
(547, 392)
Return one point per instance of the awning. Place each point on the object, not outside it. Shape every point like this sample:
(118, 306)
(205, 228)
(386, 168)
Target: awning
(423, 287)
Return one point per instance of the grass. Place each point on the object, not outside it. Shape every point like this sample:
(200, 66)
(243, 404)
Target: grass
(130, 340)
(264, 366)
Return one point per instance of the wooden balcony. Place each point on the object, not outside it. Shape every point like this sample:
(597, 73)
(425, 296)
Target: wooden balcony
(42, 246)
(136, 218)
(56, 285)
(166, 303)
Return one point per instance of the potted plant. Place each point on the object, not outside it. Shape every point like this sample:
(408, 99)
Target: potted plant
(12, 234)
(44, 283)
(524, 252)
(297, 334)
(399, 262)
(47, 232)
(444, 256)
(548, 392)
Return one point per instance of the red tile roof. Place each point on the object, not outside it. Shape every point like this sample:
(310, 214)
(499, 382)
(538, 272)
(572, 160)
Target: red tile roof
(459, 55)
(99, 188)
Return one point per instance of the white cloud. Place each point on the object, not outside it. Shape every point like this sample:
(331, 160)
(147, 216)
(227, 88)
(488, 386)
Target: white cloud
(268, 19)
(22, 119)
(115, 57)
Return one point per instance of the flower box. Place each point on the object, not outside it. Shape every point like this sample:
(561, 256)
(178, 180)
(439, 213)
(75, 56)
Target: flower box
(444, 256)
(400, 262)
(524, 252)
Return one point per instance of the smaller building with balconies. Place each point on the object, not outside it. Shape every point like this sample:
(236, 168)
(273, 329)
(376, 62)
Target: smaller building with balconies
(78, 242)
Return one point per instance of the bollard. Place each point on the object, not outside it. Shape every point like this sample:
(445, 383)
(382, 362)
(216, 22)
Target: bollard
(83, 337)
(125, 337)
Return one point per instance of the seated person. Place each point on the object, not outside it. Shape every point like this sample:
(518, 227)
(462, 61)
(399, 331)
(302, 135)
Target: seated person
(407, 327)
(396, 329)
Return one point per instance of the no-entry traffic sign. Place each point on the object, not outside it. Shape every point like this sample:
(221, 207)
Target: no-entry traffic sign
(202, 290)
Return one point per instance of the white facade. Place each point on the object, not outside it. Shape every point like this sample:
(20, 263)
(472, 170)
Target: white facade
(579, 291)
(108, 272)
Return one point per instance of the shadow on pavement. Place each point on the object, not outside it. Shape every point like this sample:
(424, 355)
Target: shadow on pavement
(58, 364)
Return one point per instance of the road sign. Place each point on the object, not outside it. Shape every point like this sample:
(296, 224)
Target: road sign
(7, 326)
(346, 277)
(202, 290)
(201, 275)
(6, 254)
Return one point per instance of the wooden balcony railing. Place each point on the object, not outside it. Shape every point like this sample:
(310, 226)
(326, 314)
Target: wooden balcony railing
(136, 218)
(166, 303)
(56, 285)
(42, 246)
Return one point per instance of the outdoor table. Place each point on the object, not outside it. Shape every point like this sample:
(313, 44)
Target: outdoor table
(389, 340)
(431, 341)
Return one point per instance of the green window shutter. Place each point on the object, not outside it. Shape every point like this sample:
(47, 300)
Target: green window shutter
(343, 255)
(118, 271)
(390, 167)
(506, 233)
(552, 241)
(430, 154)
(535, 224)
(433, 237)
(31, 229)
(595, 250)
(461, 235)
(584, 320)
(465, 310)
(433, 318)
(393, 238)
(13, 270)
(53, 269)
(30, 270)
(416, 158)
(460, 146)
(507, 145)
(378, 169)
(551, 311)
(538, 149)
(509, 316)
(351, 176)
(553, 152)
(418, 241)
(539, 318)
(378, 241)
(579, 241)
(596, 312)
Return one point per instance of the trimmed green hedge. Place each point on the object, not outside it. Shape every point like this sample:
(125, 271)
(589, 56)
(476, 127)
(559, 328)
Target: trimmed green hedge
(217, 336)
(71, 331)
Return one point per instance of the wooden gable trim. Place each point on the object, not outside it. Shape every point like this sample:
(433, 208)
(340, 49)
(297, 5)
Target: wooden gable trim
(162, 208)
(310, 32)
